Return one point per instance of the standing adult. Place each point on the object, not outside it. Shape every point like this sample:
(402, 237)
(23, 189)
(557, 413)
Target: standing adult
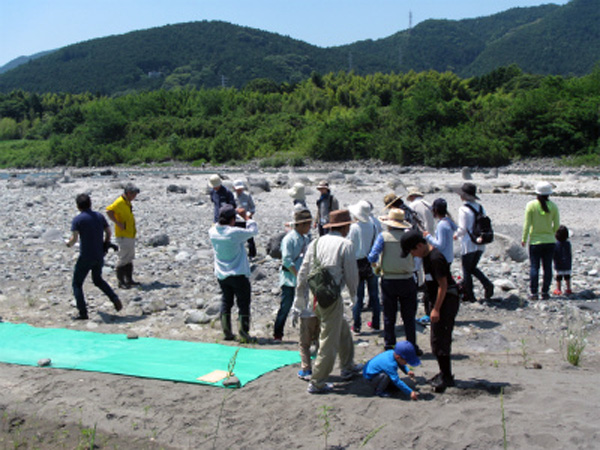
(92, 229)
(325, 204)
(422, 207)
(336, 254)
(293, 248)
(398, 284)
(471, 250)
(393, 200)
(121, 213)
(232, 270)
(444, 230)
(298, 194)
(362, 235)
(443, 290)
(245, 208)
(542, 220)
(219, 195)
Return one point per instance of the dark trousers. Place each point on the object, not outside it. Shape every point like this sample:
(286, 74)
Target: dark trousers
(540, 253)
(470, 270)
(235, 287)
(441, 331)
(405, 293)
(287, 299)
(373, 291)
(82, 268)
(380, 382)
(251, 248)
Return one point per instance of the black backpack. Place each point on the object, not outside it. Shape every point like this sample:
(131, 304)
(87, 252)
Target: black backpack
(482, 232)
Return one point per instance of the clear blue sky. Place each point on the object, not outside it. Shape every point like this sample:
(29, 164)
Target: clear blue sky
(31, 26)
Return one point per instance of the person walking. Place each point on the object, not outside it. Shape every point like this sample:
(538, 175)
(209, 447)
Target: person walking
(336, 254)
(121, 213)
(91, 228)
(471, 251)
(398, 285)
(232, 270)
(362, 235)
(541, 222)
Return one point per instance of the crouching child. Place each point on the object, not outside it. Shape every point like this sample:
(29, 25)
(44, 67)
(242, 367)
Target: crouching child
(383, 369)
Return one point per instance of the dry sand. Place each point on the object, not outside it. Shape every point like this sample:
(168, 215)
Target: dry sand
(512, 376)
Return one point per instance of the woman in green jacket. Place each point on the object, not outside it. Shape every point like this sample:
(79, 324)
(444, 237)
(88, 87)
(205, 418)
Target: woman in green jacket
(541, 222)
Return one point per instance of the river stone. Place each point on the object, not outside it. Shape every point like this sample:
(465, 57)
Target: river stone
(466, 173)
(159, 240)
(232, 382)
(176, 189)
(198, 317)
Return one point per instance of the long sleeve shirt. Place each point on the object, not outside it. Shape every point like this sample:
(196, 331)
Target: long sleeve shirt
(423, 209)
(386, 363)
(244, 200)
(336, 254)
(540, 226)
(362, 235)
(293, 249)
(219, 197)
(466, 220)
(443, 239)
(230, 254)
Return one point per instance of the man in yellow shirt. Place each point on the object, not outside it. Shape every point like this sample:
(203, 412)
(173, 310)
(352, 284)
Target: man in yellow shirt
(121, 213)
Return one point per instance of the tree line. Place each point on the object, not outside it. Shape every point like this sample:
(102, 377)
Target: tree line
(430, 118)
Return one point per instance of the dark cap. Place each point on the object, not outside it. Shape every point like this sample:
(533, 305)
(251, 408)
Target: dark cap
(226, 213)
(407, 351)
(410, 240)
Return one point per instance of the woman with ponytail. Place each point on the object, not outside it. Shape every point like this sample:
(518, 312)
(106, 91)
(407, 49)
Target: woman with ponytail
(541, 223)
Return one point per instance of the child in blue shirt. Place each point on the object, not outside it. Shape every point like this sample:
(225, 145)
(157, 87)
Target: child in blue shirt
(383, 368)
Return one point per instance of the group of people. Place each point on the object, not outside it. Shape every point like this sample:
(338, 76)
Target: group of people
(407, 250)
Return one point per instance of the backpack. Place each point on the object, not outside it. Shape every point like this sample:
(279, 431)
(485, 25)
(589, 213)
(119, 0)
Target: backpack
(482, 232)
(321, 283)
(274, 245)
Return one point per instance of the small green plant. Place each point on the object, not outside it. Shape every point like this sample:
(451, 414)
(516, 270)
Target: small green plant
(372, 434)
(31, 301)
(89, 437)
(496, 363)
(231, 364)
(524, 354)
(504, 441)
(324, 415)
(572, 345)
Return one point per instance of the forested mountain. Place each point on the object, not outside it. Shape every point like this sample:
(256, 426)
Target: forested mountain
(549, 39)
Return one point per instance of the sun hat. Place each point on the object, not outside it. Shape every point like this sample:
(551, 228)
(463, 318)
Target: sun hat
(302, 216)
(407, 351)
(215, 181)
(239, 184)
(410, 240)
(468, 191)
(130, 187)
(297, 191)
(323, 184)
(360, 211)
(395, 219)
(414, 191)
(339, 218)
(543, 188)
(390, 199)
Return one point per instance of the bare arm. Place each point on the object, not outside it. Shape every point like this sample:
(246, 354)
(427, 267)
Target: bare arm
(439, 301)
(74, 237)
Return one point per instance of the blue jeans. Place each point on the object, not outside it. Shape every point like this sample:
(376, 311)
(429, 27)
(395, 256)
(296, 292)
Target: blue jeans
(287, 299)
(540, 253)
(373, 290)
(82, 268)
(405, 293)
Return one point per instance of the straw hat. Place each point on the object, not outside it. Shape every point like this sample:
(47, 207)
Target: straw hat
(360, 211)
(339, 218)
(414, 191)
(390, 199)
(395, 219)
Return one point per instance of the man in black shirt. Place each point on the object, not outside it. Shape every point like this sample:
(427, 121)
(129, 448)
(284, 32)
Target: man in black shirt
(443, 296)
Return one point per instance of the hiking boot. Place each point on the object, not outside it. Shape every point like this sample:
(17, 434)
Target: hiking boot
(305, 374)
(121, 277)
(312, 389)
(244, 331)
(129, 275)
(226, 327)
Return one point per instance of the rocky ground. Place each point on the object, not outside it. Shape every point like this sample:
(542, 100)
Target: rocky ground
(179, 297)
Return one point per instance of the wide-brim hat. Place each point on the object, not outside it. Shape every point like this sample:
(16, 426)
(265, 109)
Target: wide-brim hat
(323, 184)
(302, 216)
(360, 211)
(468, 191)
(543, 188)
(395, 218)
(407, 351)
(215, 181)
(297, 191)
(390, 199)
(413, 191)
(339, 218)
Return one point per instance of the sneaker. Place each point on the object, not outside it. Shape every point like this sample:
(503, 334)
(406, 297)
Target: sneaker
(304, 374)
(80, 317)
(533, 296)
(312, 389)
(383, 394)
(425, 320)
(277, 338)
(557, 292)
(370, 325)
(348, 374)
(355, 331)
(568, 292)
(545, 296)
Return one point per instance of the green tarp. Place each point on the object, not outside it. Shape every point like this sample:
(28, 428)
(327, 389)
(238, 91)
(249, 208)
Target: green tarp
(144, 357)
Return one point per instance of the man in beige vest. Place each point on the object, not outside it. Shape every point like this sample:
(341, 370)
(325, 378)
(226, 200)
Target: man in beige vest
(397, 279)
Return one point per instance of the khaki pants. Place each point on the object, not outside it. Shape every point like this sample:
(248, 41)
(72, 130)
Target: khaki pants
(126, 250)
(335, 337)
(309, 332)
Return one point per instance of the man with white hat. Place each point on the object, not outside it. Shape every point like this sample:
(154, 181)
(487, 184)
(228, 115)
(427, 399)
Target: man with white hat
(325, 204)
(219, 195)
(362, 234)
